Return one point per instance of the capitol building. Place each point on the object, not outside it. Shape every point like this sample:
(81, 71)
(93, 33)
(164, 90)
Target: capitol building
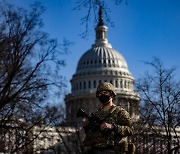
(101, 63)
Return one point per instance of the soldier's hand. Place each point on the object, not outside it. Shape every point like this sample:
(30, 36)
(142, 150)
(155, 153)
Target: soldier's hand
(106, 126)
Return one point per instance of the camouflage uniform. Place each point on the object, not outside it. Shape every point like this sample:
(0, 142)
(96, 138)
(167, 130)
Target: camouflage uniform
(116, 138)
(111, 141)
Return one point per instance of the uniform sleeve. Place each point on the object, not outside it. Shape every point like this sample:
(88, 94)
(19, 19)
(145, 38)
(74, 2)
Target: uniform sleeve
(123, 126)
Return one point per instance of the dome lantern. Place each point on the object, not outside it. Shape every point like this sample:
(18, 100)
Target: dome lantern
(101, 31)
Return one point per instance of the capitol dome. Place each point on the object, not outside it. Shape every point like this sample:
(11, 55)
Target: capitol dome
(101, 63)
(102, 56)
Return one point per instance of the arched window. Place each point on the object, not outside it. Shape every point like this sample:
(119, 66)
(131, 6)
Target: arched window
(89, 84)
(94, 83)
(121, 84)
(117, 84)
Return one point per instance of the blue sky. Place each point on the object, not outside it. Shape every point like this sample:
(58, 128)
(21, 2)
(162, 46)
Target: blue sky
(142, 29)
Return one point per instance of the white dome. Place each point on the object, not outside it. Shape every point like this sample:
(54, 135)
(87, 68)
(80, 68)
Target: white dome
(100, 57)
(101, 63)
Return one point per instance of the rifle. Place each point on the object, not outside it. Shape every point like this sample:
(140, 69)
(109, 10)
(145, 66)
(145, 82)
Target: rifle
(95, 123)
(93, 119)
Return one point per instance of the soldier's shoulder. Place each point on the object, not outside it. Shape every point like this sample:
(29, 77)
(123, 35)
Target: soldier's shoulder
(121, 111)
(119, 108)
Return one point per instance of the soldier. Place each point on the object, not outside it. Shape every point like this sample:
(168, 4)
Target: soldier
(110, 137)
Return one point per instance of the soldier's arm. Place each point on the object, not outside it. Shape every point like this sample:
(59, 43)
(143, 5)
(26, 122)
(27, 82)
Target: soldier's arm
(123, 127)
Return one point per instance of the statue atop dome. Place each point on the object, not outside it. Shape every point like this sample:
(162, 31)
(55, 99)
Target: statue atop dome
(101, 22)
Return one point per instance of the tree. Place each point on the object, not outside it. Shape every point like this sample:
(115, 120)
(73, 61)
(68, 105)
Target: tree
(160, 102)
(29, 73)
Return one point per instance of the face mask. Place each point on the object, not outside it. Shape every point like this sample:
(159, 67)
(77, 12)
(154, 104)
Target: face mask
(104, 98)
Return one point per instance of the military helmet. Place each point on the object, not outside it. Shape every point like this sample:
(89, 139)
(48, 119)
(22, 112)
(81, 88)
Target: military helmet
(105, 86)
